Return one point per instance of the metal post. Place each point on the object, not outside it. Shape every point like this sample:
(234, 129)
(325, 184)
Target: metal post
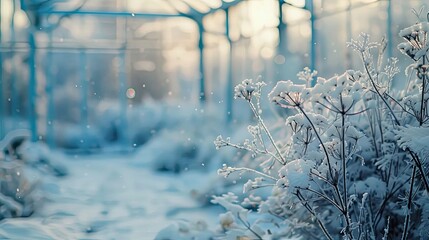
(229, 82)
(1, 80)
(84, 94)
(123, 85)
(32, 87)
(202, 96)
(50, 95)
(349, 59)
(281, 47)
(389, 29)
(2, 115)
(14, 90)
(122, 95)
(310, 7)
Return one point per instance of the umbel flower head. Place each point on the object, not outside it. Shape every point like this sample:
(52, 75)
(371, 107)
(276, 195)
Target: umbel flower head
(248, 89)
(416, 45)
(289, 95)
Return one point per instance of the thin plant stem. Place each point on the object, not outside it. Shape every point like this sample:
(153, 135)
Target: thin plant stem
(331, 174)
(256, 172)
(422, 109)
(331, 201)
(378, 92)
(270, 137)
(344, 168)
(247, 225)
(413, 155)
(320, 141)
(311, 211)
(409, 204)
(343, 160)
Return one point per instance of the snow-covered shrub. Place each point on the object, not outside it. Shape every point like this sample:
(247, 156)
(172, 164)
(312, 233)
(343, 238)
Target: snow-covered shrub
(74, 137)
(16, 190)
(180, 154)
(22, 165)
(169, 142)
(37, 155)
(352, 163)
(116, 125)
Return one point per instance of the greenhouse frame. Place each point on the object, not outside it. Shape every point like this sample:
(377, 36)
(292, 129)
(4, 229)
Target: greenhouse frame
(121, 33)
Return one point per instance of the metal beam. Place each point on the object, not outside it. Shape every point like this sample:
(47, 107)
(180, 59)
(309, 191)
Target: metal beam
(229, 80)
(282, 40)
(123, 101)
(83, 96)
(2, 117)
(313, 41)
(49, 89)
(389, 29)
(15, 98)
(32, 87)
(202, 94)
(110, 13)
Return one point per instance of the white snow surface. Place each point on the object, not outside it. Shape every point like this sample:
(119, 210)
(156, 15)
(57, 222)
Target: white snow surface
(108, 197)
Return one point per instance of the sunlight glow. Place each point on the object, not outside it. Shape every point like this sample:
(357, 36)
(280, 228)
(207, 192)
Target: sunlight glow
(296, 3)
(5, 15)
(292, 14)
(21, 20)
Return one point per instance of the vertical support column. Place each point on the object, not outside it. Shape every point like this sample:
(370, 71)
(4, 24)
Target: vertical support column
(282, 44)
(389, 29)
(2, 115)
(1, 77)
(123, 85)
(349, 29)
(313, 41)
(229, 81)
(15, 99)
(84, 95)
(2, 118)
(122, 96)
(50, 95)
(202, 93)
(32, 87)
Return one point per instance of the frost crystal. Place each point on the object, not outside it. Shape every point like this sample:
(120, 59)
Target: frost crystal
(250, 185)
(307, 75)
(416, 45)
(220, 142)
(363, 44)
(288, 95)
(414, 138)
(296, 174)
(229, 202)
(225, 170)
(248, 89)
(226, 220)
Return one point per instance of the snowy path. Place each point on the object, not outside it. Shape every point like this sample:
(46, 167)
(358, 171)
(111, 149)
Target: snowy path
(109, 199)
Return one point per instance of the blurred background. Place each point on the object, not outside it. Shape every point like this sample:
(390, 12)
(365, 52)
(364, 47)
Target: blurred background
(83, 64)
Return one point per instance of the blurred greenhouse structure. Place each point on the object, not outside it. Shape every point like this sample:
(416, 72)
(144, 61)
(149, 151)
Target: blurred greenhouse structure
(63, 61)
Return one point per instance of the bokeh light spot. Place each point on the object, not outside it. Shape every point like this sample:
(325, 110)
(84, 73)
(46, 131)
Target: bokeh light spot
(131, 93)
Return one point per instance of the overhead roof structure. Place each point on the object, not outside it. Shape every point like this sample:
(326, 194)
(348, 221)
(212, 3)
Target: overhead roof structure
(46, 15)
(148, 8)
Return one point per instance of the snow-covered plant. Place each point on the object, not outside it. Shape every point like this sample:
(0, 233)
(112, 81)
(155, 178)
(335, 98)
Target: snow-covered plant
(16, 191)
(353, 161)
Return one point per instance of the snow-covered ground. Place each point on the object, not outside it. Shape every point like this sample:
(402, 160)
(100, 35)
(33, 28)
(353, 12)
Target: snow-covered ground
(109, 197)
